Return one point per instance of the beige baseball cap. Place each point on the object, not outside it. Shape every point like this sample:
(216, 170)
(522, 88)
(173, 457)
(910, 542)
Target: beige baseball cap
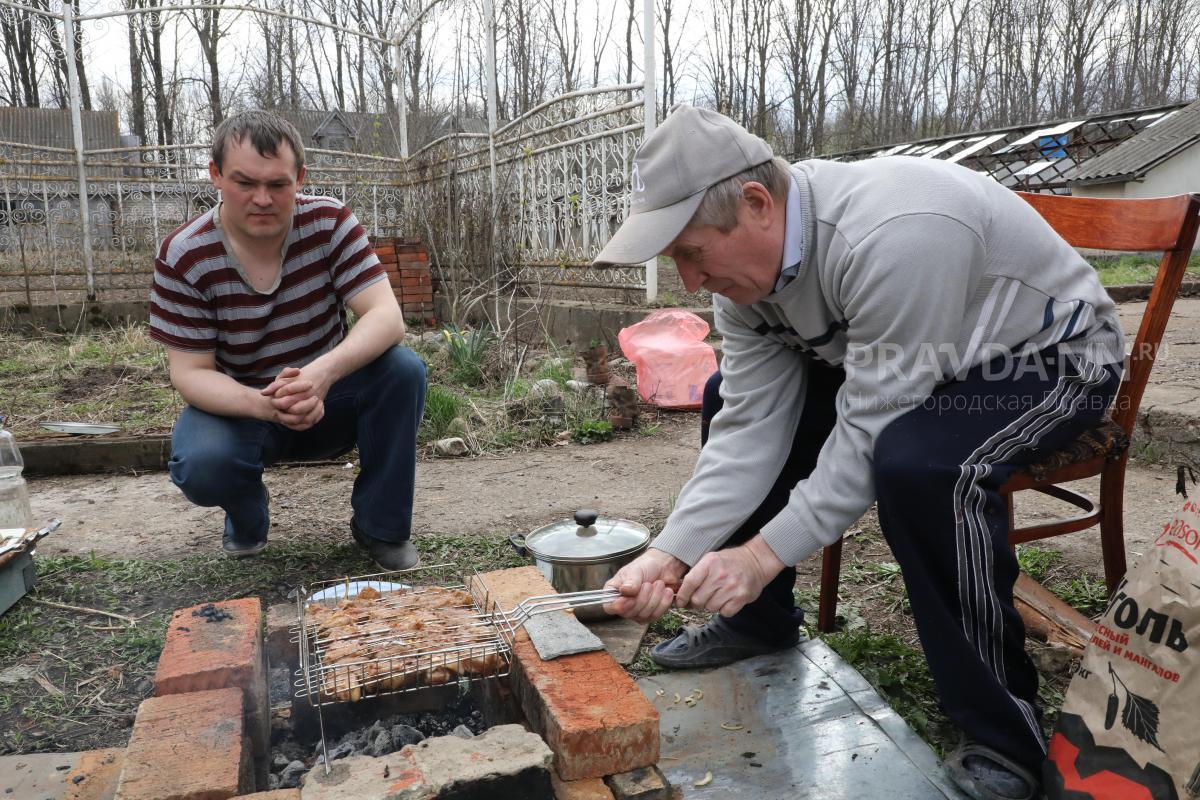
(693, 149)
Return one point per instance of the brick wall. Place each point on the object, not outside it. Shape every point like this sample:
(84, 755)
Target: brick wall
(407, 264)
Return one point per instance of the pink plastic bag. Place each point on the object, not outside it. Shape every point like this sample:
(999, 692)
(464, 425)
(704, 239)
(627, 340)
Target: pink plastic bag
(673, 362)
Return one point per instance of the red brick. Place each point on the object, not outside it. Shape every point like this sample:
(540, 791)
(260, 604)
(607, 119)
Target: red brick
(584, 789)
(385, 250)
(95, 775)
(585, 706)
(188, 747)
(215, 655)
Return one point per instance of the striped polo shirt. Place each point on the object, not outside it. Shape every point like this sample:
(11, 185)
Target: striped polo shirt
(202, 302)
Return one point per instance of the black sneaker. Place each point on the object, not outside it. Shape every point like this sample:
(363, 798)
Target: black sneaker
(713, 644)
(389, 555)
(237, 547)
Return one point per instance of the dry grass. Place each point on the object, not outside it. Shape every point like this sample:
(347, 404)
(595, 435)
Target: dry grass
(116, 376)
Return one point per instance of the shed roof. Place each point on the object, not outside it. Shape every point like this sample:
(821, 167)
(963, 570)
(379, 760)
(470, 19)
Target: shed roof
(1134, 157)
(51, 127)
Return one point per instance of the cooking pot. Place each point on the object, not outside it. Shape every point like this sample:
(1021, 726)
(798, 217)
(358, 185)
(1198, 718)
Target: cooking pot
(582, 553)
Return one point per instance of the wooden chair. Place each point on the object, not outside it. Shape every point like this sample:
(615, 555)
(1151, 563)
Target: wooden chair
(1166, 224)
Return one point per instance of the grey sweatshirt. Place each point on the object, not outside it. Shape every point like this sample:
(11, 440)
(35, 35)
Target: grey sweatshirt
(911, 272)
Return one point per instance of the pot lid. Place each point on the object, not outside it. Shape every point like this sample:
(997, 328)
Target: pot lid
(588, 536)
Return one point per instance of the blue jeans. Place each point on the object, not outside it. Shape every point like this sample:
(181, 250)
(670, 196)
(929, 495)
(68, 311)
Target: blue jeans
(219, 461)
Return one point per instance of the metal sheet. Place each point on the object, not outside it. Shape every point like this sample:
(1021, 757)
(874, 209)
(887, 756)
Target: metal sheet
(797, 724)
(80, 428)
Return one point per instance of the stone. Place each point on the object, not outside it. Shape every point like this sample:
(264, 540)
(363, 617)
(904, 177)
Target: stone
(586, 707)
(217, 649)
(559, 634)
(463, 732)
(503, 762)
(188, 746)
(451, 447)
(277, 794)
(579, 387)
(645, 783)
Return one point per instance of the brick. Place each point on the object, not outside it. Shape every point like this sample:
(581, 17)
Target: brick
(215, 655)
(91, 775)
(188, 747)
(639, 784)
(277, 794)
(585, 706)
(385, 250)
(281, 622)
(584, 789)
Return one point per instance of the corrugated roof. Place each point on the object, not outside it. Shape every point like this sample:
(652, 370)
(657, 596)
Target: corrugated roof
(1139, 154)
(51, 127)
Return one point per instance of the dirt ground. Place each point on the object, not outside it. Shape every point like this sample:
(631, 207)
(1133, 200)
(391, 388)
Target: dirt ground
(635, 476)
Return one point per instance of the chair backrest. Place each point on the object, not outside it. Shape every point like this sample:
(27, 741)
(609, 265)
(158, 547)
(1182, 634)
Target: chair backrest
(1166, 224)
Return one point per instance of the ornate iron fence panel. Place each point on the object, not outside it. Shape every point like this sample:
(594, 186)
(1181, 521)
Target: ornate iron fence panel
(560, 176)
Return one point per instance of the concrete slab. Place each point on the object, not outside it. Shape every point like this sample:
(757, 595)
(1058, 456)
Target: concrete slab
(797, 724)
(621, 637)
(61, 776)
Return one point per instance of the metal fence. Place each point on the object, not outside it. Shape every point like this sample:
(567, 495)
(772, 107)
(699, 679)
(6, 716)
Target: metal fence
(543, 201)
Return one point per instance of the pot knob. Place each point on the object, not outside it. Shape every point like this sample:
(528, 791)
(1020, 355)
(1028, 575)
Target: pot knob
(586, 517)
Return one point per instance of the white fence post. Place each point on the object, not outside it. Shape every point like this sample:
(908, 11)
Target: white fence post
(85, 217)
(649, 118)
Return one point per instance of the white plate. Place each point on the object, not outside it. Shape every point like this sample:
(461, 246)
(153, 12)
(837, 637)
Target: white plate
(339, 590)
(80, 428)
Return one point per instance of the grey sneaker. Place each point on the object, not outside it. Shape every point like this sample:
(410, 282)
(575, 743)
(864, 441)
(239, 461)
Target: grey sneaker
(388, 555)
(713, 644)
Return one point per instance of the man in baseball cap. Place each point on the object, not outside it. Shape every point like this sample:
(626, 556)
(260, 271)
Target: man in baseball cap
(872, 314)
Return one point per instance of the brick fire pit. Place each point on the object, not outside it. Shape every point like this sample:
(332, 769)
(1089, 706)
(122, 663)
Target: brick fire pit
(586, 730)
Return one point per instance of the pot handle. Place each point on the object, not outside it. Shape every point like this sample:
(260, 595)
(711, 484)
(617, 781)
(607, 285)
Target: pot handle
(517, 540)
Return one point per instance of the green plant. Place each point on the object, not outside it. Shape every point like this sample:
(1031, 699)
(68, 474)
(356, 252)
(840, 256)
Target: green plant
(1085, 594)
(467, 351)
(592, 430)
(442, 407)
(1037, 562)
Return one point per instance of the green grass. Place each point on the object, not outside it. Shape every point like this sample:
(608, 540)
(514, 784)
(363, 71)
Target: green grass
(1131, 269)
(1037, 562)
(589, 431)
(442, 406)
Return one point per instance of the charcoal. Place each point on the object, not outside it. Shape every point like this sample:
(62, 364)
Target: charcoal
(405, 734)
(381, 745)
(291, 775)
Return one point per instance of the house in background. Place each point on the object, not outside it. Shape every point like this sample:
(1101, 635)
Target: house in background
(1163, 159)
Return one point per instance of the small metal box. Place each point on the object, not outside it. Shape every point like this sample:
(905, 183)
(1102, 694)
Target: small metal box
(16, 578)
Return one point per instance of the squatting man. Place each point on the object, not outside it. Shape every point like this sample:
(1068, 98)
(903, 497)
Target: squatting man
(899, 330)
(250, 300)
